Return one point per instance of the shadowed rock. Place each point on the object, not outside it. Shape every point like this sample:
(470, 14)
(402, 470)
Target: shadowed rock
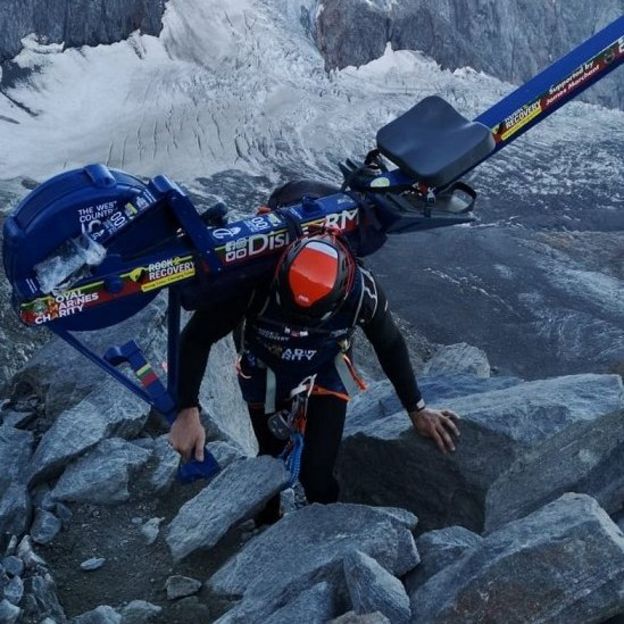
(307, 547)
(563, 563)
(520, 448)
(234, 495)
(439, 549)
(372, 588)
(15, 453)
(102, 475)
(315, 604)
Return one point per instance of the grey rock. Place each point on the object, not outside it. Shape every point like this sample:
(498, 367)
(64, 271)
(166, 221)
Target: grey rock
(109, 411)
(40, 599)
(150, 530)
(15, 509)
(439, 549)
(190, 609)
(459, 358)
(234, 495)
(224, 452)
(13, 565)
(307, 547)
(380, 400)
(102, 475)
(9, 612)
(372, 588)
(83, 405)
(167, 461)
(353, 618)
(483, 35)
(11, 546)
(316, 604)
(224, 411)
(18, 420)
(569, 556)
(181, 586)
(26, 553)
(95, 563)
(45, 527)
(139, 612)
(14, 591)
(15, 453)
(101, 615)
(520, 448)
(63, 512)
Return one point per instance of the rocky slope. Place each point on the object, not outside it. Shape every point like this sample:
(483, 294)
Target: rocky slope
(506, 38)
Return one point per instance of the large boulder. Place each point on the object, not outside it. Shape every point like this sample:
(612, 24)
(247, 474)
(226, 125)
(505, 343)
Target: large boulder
(563, 563)
(102, 475)
(520, 448)
(234, 495)
(307, 547)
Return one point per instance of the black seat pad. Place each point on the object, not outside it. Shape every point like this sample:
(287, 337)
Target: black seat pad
(434, 143)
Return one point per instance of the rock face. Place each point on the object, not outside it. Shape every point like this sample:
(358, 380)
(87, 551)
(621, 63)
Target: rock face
(309, 546)
(234, 495)
(85, 22)
(520, 448)
(102, 475)
(563, 563)
(504, 38)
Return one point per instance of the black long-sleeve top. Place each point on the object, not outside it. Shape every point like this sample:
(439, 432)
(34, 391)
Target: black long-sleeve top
(213, 322)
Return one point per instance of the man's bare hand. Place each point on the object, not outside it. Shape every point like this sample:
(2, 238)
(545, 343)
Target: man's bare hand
(187, 434)
(439, 425)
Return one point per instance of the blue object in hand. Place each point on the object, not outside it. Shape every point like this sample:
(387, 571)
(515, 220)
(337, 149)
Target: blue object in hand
(193, 470)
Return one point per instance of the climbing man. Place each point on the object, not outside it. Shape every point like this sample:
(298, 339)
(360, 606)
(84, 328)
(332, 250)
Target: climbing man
(294, 335)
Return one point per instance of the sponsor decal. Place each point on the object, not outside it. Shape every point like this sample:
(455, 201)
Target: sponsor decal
(160, 274)
(344, 221)
(260, 223)
(578, 77)
(521, 118)
(223, 233)
(146, 375)
(620, 44)
(298, 355)
(380, 183)
(91, 218)
(61, 305)
(130, 210)
(272, 335)
(254, 245)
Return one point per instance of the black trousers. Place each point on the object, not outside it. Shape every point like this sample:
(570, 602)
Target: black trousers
(325, 423)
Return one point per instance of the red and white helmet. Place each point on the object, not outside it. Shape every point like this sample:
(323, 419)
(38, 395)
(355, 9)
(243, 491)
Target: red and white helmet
(314, 277)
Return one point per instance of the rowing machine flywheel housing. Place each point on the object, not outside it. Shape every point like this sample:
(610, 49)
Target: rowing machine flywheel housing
(71, 207)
